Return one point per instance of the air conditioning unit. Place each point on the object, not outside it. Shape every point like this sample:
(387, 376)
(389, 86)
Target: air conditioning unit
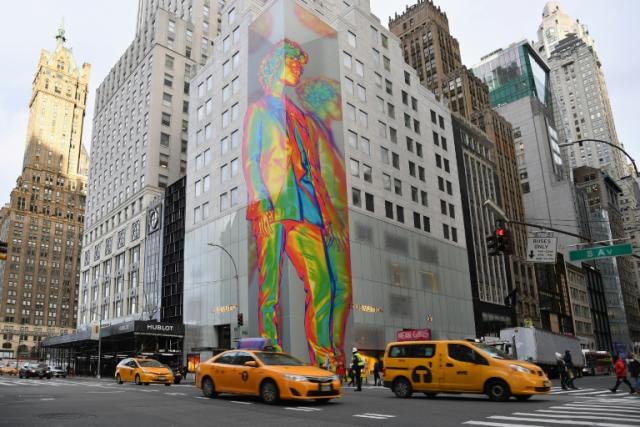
(119, 296)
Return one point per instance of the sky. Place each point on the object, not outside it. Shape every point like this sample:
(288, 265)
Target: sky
(100, 31)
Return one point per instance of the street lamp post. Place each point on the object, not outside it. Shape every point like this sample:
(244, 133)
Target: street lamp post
(235, 268)
(617, 147)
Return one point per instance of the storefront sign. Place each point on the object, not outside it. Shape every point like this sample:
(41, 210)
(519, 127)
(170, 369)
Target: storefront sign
(157, 328)
(367, 308)
(224, 308)
(413, 335)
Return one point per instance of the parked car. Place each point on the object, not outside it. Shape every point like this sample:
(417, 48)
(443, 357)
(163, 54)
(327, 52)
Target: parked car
(142, 370)
(40, 370)
(8, 370)
(58, 371)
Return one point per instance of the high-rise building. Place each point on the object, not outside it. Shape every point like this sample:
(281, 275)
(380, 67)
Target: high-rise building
(618, 274)
(373, 177)
(430, 48)
(582, 108)
(139, 147)
(518, 81)
(44, 221)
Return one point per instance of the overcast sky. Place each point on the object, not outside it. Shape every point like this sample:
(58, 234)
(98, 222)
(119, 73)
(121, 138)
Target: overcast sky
(100, 31)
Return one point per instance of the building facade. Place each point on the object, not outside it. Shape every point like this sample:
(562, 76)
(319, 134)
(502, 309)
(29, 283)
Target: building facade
(44, 221)
(618, 274)
(139, 146)
(429, 47)
(173, 252)
(398, 209)
(580, 306)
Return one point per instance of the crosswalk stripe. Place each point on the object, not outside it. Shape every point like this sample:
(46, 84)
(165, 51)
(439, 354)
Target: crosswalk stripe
(302, 408)
(599, 408)
(241, 402)
(572, 391)
(373, 417)
(491, 424)
(574, 416)
(559, 421)
(7, 384)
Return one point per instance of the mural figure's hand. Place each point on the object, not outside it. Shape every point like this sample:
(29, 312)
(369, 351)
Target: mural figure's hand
(262, 226)
(334, 237)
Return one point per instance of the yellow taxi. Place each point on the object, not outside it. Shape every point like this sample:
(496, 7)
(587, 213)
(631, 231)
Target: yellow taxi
(433, 367)
(8, 370)
(142, 370)
(257, 370)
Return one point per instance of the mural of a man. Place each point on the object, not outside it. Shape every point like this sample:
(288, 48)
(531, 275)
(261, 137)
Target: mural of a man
(289, 206)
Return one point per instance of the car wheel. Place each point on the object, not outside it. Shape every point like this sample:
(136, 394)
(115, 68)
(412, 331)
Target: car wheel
(402, 388)
(138, 382)
(118, 379)
(498, 391)
(322, 401)
(208, 388)
(430, 395)
(167, 384)
(146, 383)
(523, 397)
(176, 381)
(269, 392)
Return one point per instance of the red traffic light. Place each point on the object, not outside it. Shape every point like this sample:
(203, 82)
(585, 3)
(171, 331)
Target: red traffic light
(500, 232)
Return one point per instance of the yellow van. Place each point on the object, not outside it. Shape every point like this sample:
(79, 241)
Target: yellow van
(446, 366)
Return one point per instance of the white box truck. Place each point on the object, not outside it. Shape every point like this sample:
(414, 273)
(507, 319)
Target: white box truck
(540, 347)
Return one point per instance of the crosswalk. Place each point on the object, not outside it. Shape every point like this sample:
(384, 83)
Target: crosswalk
(586, 392)
(32, 382)
(615, 410)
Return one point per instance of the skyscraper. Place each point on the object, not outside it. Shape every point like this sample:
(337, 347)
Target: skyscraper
(429, 47)
(139, 146)
(44, 222)
(582, 109)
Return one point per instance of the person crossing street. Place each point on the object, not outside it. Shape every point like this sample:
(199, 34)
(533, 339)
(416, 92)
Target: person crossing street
(634, 371)
(621, 375)
(357, 365)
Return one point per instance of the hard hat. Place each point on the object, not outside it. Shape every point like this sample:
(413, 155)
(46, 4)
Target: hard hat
(354, 350)
(558, 355)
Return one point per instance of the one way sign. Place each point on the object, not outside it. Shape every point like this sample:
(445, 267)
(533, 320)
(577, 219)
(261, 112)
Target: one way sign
(542, 250)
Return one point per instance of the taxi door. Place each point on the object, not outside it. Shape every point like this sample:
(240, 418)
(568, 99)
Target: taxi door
(463, 368)
(245, 379)
(417, 362)
(126, 371)
(221, 370)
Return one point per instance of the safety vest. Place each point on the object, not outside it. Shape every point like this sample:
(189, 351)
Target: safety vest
(359, 360)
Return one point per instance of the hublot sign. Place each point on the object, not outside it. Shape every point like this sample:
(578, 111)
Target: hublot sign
(155, 328)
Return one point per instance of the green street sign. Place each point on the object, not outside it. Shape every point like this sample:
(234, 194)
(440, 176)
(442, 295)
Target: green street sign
(601, 252)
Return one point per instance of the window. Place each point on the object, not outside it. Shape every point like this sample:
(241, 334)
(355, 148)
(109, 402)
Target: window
(168, 61)
(226, 44)
(395, 160)
(164, 139)
(386, 63)
(207, 157)
(347, 60)
(234, 167)
(441, 122)
(234, 196)
(463, 353)
(356, 197)
(384, 155)
(365, 146)
(434, 119)
(166, 100)
(445, 231)
(423, 198)
(363, 119)
(426, 224)
(224, 201)
(205, 183)
(443, 140)
(440, 183)
(366, 173)
(417, 223)
(388, 209)
(224, 173)
(351, 39)
(354, 167)
(209, 106)
(348, 85)
(438, 161)
(224, 145)
(205, 210)
(166, 119)
(352, 139)
(368, 201)
(397, 186)
(168, 80)
(436, 139)
(359, 68)
(385, 42)
(407, 78)
(452, 211)
(388, 87)
(454, 234)
(400, 214)
(197, 214)
(386, 181)
(443, 207)
(393, 135)
(414, 194)
(362, 93)
(351, 112)
(446, 166)
(449, 188)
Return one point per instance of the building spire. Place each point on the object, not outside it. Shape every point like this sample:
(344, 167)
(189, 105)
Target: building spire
(60, 38)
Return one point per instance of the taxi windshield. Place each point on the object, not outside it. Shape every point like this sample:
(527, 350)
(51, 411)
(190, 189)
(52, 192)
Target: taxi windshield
(279, 359)
(150, 364)
(494, 352)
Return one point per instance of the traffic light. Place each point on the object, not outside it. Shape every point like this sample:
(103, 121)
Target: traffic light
(492, 245)
(503, 239)
(3, 251)
(240, 319)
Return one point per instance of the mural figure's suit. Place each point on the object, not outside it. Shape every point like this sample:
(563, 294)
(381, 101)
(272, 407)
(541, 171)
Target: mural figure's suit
(289, 206)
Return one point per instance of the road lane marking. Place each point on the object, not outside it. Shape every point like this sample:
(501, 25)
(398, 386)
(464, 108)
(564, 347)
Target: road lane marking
(488, 423)
(596, 408)
(578, 412)
(578, 416)
(241, 402)
(176, 394)
(47, 398)
(303, 409)
(7, 384)
(105, 392)
(200, 397)
(558, 421)
(375, 416)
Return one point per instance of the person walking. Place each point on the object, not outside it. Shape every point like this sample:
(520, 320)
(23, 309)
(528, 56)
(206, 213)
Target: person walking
(562, 371)
(340, 372)
(634, 371)
(357, 365)
(621, 375)
(571, 370)
(377, 370)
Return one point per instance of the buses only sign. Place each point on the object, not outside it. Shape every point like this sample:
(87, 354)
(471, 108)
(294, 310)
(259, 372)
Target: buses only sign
(542, 250)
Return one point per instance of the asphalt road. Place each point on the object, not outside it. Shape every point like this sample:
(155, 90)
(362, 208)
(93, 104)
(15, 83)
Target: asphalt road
(90, 402)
